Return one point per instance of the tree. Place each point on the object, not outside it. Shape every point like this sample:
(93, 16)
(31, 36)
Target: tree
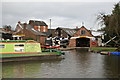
(111, 23)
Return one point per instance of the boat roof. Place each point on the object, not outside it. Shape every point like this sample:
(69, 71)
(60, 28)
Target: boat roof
(17, 41)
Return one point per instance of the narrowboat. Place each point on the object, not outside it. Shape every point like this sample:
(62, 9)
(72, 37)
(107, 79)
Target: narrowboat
(110, 53)
(17, 50)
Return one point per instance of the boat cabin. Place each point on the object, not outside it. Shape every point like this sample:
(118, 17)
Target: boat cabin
(19, 46)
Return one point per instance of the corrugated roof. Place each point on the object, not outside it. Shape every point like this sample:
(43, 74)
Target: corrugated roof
(68, 31)
(97, 33)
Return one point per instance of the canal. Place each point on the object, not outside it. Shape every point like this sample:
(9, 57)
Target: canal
(77, 64)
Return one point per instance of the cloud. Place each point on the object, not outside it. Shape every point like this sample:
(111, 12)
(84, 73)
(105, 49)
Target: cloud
(64, 14)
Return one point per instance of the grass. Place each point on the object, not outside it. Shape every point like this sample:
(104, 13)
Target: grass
(105, 49)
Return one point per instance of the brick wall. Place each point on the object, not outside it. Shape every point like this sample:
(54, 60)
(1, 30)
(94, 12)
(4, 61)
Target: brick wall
(72, 43)
(42, 40)
(44, 28)
(41, 28)
(79, 31)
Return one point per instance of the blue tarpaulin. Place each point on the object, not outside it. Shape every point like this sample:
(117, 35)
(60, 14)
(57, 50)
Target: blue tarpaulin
(115, 53)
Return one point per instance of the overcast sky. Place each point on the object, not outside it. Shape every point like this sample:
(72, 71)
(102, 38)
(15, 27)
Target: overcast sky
(63, 14)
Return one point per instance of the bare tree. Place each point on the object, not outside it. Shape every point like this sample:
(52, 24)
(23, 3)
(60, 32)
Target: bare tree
(111, 23)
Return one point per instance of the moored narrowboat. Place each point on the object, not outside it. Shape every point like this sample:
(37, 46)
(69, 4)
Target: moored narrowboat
(18, 50)
(110, 53)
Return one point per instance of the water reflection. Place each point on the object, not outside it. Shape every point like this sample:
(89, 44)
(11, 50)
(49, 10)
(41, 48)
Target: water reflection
(77, 64)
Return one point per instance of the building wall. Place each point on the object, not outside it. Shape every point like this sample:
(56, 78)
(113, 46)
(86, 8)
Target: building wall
(79, 31)
(44, 28)
(29, 34)
(42, 40)
(41, 28)
(61, 33)
(93, 44)
(72, 43)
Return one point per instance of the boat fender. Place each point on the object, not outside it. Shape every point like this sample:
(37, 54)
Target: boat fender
(108, 53)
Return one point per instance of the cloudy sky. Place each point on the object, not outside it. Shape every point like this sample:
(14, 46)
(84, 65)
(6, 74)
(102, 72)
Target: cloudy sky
(62, 13)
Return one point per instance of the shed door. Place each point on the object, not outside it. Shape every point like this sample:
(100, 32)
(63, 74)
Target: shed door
(82, 42)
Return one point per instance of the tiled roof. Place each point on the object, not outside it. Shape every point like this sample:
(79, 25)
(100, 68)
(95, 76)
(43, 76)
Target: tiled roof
(38, 23)
(30, 28)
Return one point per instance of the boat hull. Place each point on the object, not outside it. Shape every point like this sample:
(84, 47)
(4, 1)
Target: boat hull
(110, 53)
(30, 56)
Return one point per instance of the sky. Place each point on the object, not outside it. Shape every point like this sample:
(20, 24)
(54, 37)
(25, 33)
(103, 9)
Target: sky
(67, 13)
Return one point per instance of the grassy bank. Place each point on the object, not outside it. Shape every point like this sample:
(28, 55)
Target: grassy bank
(105, 49)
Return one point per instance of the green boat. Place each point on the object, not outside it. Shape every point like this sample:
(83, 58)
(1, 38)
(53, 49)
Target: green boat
(18, 50)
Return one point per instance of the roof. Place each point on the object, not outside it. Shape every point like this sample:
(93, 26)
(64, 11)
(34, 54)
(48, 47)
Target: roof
(49, 32)
(31, 29)
(68, 31)
(85, 29)
(97, 33)
(38, 23)
(2, 31)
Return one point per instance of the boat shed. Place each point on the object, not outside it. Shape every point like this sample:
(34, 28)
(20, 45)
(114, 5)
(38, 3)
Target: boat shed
(83, 38)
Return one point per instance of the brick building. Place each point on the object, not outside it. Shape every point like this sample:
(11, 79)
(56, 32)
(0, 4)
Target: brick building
(29, 31)
(82, 38)
(39, 25)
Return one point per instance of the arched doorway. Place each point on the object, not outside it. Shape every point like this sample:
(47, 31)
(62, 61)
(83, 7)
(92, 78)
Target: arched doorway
(82, 42)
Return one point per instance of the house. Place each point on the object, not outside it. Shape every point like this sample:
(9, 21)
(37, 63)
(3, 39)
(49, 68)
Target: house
(39, 25)
(28, 31)
(83, 38)
(99, 35)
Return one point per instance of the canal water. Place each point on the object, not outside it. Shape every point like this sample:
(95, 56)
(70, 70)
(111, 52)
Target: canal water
(77, 64)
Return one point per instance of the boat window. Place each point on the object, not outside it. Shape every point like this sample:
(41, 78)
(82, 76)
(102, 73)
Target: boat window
(21, 45)
(2, 46)
(19, 48)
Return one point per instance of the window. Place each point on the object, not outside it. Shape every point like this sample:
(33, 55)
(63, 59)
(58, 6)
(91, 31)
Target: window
(82, 32)
(2, 46)
(44, 30)
(19, 48)
(44, 27)
(38, 28)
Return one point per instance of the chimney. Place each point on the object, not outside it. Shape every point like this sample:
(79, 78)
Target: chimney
(25, 25)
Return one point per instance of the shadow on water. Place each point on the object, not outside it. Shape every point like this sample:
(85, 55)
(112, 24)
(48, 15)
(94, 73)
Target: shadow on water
(78, 63)
(112, 66)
